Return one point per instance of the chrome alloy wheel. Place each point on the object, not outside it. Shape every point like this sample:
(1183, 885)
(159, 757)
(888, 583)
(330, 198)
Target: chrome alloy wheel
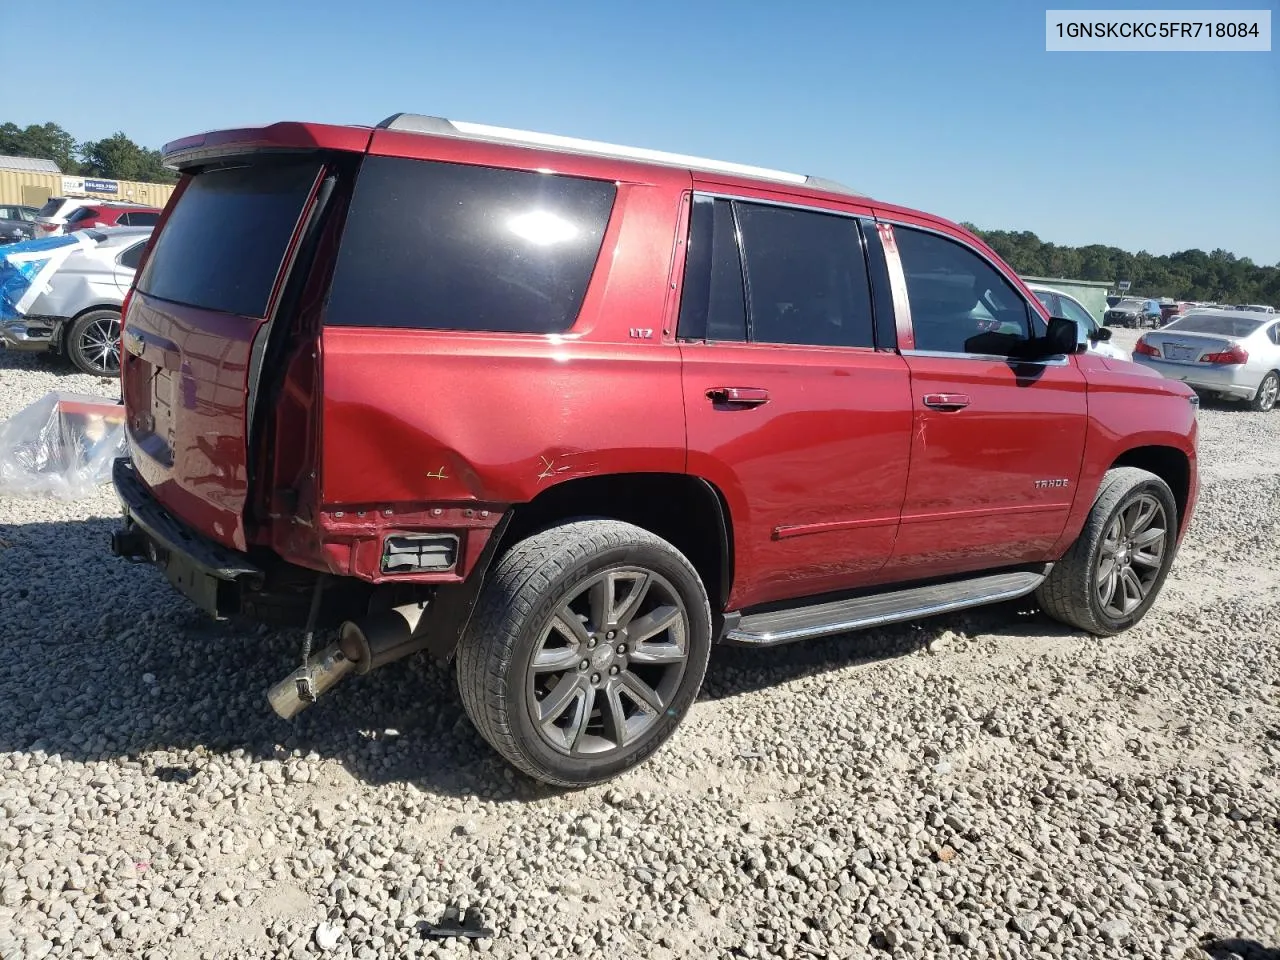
(609, 661)
(1131, 555)
(100, 344)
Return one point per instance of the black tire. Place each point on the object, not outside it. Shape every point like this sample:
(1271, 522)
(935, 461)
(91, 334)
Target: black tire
(1070, 593)
(515, 616)
(93, 343)
(1264, 401)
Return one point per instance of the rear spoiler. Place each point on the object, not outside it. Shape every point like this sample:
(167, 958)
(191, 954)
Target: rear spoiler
(282, 137)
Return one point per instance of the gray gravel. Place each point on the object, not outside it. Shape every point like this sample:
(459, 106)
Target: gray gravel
(989, 781)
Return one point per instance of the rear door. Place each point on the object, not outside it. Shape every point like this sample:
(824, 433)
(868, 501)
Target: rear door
(209, 286)
(997, 444)
(792, 412)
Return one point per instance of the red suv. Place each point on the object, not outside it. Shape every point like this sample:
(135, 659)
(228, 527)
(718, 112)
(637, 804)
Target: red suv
(111, 215)
(572, 413)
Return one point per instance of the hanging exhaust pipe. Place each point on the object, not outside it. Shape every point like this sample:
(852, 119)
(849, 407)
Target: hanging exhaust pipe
(363, 645)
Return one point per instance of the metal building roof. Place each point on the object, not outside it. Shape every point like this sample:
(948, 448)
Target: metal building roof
(28, 165)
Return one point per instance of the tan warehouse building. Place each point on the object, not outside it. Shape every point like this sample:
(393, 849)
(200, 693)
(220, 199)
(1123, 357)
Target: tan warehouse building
(24, 180)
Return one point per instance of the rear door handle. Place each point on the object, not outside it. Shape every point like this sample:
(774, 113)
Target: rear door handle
(738, 396)
(946, 401)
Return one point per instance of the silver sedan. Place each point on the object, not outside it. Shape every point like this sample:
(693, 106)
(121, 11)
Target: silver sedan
(1233, 354)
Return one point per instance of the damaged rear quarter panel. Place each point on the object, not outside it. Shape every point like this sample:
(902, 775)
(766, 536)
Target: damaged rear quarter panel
(426, 416)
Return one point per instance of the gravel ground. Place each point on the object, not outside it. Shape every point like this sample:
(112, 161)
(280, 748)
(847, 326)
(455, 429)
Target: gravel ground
(990, 781)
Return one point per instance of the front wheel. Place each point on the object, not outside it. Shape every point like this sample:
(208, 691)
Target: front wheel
(93, 343)
(1112, 574)
(587, 648)
(1264, 401)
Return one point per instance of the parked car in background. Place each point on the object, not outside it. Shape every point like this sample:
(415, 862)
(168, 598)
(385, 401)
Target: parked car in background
(1133, 312)
(65, 214)
(78, 315)
(1172, 310)
(1257, 308)
(1061, 304)
(585, 410)
(1232, 354)
(97, 215)
(16, 223)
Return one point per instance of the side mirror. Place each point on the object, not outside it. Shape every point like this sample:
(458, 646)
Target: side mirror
(1063, 336)
(1100, 334)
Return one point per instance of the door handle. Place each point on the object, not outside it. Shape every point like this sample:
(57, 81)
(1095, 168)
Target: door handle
(738, 396)
(946, 401)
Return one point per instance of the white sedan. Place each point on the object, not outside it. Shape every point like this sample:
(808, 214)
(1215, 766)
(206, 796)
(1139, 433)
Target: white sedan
(1233, 354)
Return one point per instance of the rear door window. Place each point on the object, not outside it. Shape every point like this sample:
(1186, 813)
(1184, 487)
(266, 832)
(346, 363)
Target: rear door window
(712, 304)
(446, 246)
(806, 277)
(140, 218)
(223, 245)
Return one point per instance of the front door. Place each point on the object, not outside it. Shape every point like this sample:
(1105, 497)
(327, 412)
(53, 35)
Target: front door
(792, 412)
(998, 443)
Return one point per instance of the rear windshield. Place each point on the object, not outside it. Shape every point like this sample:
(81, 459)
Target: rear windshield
(1219, 326)
(225, 241)
(50, 209)
(451, 246)
(81, 215)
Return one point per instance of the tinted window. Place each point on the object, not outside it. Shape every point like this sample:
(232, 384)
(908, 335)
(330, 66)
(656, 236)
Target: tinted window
(50, 208)
(133, 256)
(806, 277)
(1050, 302)
(451, 246)
(712, 306)
(82, 215)
(1220, 326)
(959, 302)
(225, 241)
(1274, 334)
(141, 219)
(1073, 311)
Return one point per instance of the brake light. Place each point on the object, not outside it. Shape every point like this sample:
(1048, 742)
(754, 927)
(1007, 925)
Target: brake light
(1233, 354)
(1146, 349)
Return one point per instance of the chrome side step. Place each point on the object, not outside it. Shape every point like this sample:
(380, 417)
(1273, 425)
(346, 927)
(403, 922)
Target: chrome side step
(859, 613)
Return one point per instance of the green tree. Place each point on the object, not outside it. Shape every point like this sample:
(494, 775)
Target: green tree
(44, 141)
(119, 158)
(1186, 275)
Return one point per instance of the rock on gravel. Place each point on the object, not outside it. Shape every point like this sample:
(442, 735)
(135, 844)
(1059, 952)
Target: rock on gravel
(989, 783)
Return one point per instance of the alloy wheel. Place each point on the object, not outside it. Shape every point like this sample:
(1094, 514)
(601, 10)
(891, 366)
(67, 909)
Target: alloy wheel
(1131, 556)
(609, 661)
(1269, 392)
(100, 344)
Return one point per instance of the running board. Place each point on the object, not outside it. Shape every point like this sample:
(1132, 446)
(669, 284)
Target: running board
(841, 616)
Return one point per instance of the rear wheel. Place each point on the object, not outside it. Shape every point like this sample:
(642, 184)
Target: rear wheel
(588, 646)
(1264, 400)
(93, 343)
(1113, 572)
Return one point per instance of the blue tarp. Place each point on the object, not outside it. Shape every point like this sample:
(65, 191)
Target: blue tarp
(25, 268)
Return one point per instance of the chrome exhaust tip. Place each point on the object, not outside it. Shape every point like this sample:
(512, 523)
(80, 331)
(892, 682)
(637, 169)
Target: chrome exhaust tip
(325, 670)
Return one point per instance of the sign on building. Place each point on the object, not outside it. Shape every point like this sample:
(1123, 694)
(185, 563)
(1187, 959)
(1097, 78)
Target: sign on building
(78, 185)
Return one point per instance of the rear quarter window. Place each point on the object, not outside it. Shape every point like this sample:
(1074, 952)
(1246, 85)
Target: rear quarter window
(444, 246)
(225, 241)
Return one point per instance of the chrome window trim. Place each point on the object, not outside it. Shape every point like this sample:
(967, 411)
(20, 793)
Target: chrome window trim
(742, 198)
(1060, 360)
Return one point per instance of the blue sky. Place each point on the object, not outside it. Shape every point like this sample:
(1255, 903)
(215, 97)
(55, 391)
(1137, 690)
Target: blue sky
(953, 108)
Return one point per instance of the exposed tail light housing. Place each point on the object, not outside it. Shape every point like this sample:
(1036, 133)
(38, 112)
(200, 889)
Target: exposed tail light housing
(1232, 355)
(1146, 349)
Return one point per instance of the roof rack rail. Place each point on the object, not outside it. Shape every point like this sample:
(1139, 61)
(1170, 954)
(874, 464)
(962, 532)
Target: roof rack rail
(440, 127)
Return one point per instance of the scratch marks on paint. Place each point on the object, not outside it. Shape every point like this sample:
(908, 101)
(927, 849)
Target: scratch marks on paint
(437, 475)
(549, 468)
